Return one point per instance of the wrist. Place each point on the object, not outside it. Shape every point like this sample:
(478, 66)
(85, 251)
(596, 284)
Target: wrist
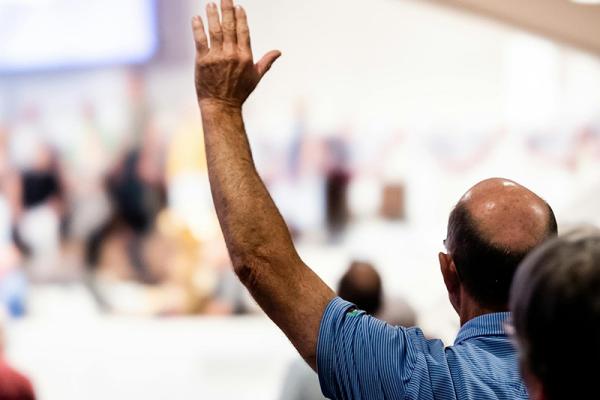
(219, 106)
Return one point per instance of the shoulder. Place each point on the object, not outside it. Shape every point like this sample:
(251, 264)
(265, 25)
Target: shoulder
(343, 319)
(365, 355)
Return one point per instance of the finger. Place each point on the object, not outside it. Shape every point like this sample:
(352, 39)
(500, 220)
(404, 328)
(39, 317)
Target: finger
(266, 62)
(200, 36)
(214, 27)
(243, 32)
(228, 15)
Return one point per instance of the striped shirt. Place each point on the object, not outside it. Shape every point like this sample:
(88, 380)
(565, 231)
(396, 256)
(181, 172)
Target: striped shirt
(361, 357)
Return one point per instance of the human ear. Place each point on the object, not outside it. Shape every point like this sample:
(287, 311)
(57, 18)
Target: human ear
(451, 280)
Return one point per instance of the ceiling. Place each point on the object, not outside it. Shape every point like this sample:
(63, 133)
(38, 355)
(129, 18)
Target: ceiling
(574, 24)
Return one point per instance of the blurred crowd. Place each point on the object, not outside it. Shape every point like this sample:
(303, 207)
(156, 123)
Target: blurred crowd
(130, 215)
(109, 214)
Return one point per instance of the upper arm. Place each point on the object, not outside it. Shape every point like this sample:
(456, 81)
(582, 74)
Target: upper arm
(291, 294)
(360, 356)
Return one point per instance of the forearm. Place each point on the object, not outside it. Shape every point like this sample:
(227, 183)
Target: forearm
(257, 237)
(250, 221)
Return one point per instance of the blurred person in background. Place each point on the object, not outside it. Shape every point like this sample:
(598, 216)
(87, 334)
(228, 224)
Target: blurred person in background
(87, 204)
(40, 227)
(134, 184)
(296, 177)
(117, 250)
(360, 285)
(13, 282)
(159, 257)
(40, 212)
(336, 185)
(13, 384)
(491, 229)
(555, 296)
(136, 191)
(136, 188)
(12, 277)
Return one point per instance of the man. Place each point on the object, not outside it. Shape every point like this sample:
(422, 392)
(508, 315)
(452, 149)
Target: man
(556, 297)
(357, 356)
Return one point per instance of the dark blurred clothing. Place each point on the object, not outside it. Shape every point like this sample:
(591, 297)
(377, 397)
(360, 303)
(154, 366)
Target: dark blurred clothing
(14, 385)
(39, 187)
(337, 181)
(336, 199)
(135, 202)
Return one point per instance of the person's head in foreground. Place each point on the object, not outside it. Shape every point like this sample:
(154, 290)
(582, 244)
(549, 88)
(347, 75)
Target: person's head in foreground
(490, 231)
(555, 301)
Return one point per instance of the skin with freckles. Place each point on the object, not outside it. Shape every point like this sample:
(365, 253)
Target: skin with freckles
(508, 214)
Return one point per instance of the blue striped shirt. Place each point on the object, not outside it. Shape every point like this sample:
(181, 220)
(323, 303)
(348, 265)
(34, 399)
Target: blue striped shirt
(361, 357)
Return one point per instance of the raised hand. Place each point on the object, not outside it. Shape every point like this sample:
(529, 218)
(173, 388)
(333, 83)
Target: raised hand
(258, 240)
(225, 70)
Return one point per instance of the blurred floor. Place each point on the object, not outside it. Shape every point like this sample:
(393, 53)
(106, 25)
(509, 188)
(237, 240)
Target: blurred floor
(135, 358)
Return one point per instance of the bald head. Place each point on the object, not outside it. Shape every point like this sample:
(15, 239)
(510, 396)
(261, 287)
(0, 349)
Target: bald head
(491, 229)
(507, 214)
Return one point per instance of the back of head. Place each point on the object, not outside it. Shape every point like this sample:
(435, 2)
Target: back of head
(491, 229)
(361, 285)
(555, 301)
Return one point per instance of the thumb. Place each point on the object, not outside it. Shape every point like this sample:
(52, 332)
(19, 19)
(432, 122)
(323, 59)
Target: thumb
(266, 62)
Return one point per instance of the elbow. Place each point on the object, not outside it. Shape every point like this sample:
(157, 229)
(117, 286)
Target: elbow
(247, 273)
(255, 263)
(249, 267)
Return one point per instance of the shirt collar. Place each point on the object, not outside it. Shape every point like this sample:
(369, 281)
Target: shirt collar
(484, 325)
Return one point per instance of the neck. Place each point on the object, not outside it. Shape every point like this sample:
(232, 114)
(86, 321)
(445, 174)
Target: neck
(470, 309)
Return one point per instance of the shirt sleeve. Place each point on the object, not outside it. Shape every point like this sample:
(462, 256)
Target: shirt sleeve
(361, 357)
